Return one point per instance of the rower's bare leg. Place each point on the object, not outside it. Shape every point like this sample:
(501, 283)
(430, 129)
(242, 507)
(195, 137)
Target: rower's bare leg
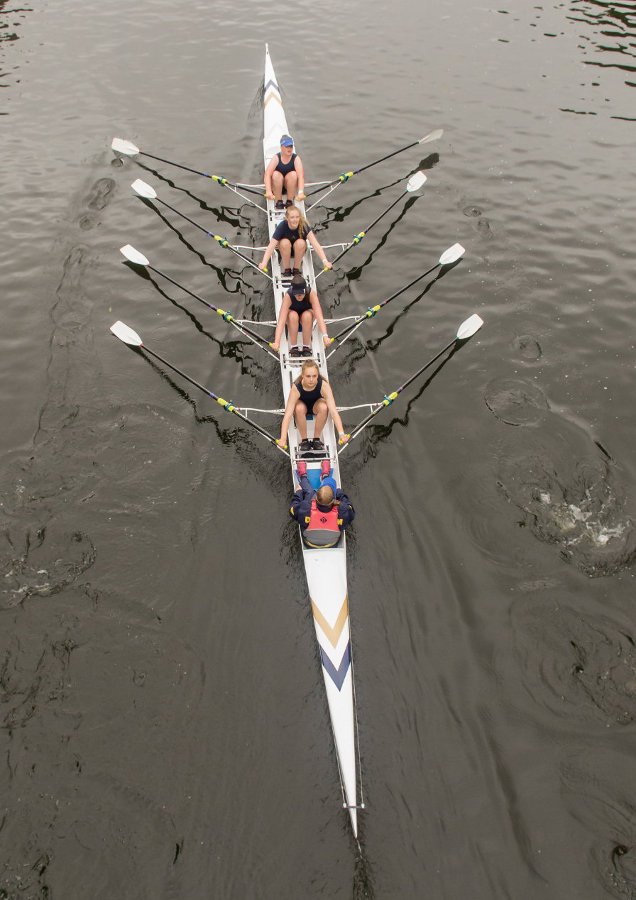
(320, 417)
(300, 414)
(277, 185)
(307, 320)
(285, 250)
(299, 251)
(292, 328)
(291, 185)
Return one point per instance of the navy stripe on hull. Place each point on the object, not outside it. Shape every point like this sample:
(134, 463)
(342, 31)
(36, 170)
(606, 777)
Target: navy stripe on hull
(273, 84)
(337, 675)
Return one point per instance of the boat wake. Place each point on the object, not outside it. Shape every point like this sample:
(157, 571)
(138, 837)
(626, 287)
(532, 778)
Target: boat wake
(562, 480)
(586, 671)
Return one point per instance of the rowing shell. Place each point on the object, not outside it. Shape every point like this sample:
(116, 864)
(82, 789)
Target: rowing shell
(326, 569)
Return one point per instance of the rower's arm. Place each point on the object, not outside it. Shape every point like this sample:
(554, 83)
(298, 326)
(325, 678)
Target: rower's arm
(313, 240)
(317, 311)
(293, 398)
(327, 394)
(273, 244)
(300, 171)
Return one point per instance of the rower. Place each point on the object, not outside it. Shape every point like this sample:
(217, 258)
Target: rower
(311, 395)
(300, 307)
(290, 235)
(323, 514)
(285, 173)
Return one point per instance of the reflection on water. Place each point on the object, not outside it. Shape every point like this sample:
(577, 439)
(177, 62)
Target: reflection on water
(609, 41)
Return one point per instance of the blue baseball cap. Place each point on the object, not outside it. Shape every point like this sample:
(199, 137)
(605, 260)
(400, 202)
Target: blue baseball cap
(287, 141)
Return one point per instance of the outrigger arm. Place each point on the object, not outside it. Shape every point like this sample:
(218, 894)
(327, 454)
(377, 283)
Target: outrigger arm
(465, 331)
(130, 337)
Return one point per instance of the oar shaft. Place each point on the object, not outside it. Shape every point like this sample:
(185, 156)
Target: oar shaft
(389, 398)
(257, 338)
(224, 403)
(218, 178)
(388, 156)
(171, 163)
(183, 216)
(374, 310)
(345, 176)
(220, 240)
(427, 366)
(362, 234)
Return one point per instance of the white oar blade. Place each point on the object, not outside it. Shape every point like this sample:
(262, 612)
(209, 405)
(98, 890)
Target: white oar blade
(126, 148)
(144, 190)
(469, 327)
(133, 256)
(433, 136)
(126, 334)
(416, 181)
(451, 255)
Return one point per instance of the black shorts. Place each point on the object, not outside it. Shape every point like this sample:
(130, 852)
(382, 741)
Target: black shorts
(299, 306)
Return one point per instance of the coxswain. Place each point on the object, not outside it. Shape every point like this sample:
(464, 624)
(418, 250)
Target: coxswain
(285, 173)
(291, 236)
(311, 395)
(323, 514)
(299, 308)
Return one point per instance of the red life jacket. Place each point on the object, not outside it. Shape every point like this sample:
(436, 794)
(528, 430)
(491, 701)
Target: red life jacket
(323, 528)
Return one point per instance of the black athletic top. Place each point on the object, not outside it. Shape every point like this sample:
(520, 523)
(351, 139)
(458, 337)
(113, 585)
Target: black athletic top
(309, 397)
(286, 168)
(299, 304)
(283, 230)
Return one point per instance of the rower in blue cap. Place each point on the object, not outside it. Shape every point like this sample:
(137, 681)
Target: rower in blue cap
(285, 173)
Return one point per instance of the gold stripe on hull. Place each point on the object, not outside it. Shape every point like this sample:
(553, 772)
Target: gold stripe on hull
(334, 633)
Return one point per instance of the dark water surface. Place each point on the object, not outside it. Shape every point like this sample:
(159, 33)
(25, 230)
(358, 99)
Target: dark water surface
(164, 731)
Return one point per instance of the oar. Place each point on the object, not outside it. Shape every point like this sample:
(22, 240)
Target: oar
(447, 258)
(127, 148)
(130, 337)
(466, 330)
(149, 193)
(432, 136)
(138, 259)
(413, 184)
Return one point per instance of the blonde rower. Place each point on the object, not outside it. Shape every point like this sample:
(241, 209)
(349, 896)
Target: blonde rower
(299, 309)
(291, 236)
(311, 394)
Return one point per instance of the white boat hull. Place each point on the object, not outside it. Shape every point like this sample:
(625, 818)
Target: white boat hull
(326, 570)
